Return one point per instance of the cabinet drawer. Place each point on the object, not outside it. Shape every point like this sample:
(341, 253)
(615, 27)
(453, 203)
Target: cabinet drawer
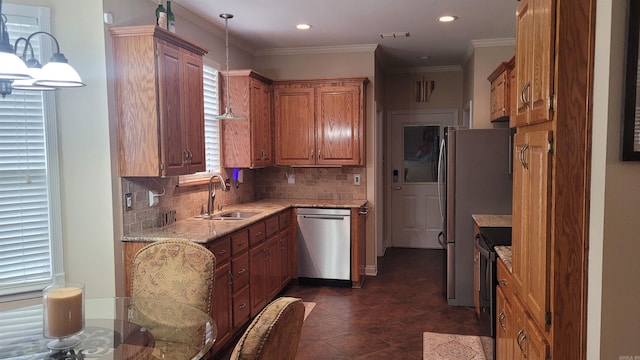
(240, 269)
(241, 308)
(271, 225)
(239, 242)
(504, 278)
(284, 219)
(221, 249)
(257, 233)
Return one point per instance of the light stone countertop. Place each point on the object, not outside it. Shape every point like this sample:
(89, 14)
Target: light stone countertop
(504, 253)
(492, 220)
(203, 231)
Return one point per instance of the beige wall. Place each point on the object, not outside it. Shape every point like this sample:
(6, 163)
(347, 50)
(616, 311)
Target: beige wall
(614, 249)
(400, 95)
(485, 61)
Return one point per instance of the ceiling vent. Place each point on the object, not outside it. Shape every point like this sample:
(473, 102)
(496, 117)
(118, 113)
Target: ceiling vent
(394, 35)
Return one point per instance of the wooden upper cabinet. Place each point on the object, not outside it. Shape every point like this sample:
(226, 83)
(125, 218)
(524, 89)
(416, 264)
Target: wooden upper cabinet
(247, 143)
(159, 102)
(531, 233)
(320, 122)
(500, 99)
(535, 33)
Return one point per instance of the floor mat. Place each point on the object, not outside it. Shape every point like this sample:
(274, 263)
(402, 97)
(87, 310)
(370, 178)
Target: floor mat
(455, 347)
(308, 306)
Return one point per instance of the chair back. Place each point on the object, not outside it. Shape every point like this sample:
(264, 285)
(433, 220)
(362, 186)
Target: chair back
(274, 334)
(175, 270)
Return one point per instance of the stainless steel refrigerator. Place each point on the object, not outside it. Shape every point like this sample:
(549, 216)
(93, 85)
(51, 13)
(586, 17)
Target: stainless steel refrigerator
(474, 173)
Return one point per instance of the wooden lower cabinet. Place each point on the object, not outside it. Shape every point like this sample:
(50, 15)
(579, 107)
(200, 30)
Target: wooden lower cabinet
(517, 335)
(252, 266)
(504, 327)
(221, 305)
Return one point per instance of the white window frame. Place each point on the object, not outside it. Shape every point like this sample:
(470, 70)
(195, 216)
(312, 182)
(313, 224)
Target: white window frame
(33, 288)
(213, 151)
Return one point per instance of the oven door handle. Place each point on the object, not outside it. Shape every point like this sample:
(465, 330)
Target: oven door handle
(484, 252)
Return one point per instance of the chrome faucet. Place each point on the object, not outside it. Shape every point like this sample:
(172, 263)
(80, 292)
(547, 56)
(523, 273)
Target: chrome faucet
(212, 191)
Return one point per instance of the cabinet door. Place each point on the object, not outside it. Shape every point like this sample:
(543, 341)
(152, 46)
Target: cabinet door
(295, 126)
(284, 258)
(222, 304)
(193, 103)
(504, 327)
(498, 97)
(531, 232)
(261, 124)
(171, 124)
(258, 278)
(538, 241)
(534, 60)
(273, 267)
(542, 59)
(339, 130)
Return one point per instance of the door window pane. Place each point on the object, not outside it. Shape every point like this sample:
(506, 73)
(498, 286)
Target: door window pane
(421, 153)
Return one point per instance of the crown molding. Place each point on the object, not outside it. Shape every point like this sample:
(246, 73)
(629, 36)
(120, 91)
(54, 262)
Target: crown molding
(317, 50)
(473, 44)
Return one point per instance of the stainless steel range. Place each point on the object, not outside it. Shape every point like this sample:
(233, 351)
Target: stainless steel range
(485, 242)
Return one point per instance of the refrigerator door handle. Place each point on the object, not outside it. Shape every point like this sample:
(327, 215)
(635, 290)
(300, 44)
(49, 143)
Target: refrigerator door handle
(441, 240)
(441, 158)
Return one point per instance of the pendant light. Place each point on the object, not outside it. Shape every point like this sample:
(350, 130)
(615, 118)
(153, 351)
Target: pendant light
(228, 113)
(26, 73)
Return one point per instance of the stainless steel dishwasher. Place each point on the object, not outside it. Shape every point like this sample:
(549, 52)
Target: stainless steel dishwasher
(324, 246)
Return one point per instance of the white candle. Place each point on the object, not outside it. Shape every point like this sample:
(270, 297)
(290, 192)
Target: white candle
(64, 311)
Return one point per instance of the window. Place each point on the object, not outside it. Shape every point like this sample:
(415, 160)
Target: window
(211, 126)
(30, 235)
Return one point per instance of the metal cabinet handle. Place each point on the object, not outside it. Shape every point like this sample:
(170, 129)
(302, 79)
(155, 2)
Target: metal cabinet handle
(185, 157)
(242, 271)
(523, 94)
(242, 306)
(240, 242)
(501, 320)
(504, 282)
(522, 158)
(520, 338)
(311, 156)
(319, 157)
(222, 252)
(258, 234)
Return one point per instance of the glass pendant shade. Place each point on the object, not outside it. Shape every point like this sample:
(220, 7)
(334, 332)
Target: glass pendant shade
(59, 75)
(29, 84)
(12, 67)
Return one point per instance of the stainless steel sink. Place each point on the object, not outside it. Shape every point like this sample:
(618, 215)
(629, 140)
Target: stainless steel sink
(230, 215)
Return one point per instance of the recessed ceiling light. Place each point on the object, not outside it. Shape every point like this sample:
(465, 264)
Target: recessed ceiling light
(303, 26)
(447, 18)
(424, 57)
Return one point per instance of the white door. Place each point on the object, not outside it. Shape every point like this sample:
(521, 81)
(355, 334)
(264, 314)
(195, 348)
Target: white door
(414, 145)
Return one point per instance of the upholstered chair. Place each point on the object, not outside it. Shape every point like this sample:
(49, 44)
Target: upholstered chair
(274, 334)
(170, 279)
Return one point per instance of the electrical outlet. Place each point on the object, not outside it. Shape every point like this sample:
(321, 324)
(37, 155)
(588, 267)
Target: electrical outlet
(291, 178)
(356, 179)
(128, 201)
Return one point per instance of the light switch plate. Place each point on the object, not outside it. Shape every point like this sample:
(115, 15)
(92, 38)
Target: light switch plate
(356, 179)
(291, 178)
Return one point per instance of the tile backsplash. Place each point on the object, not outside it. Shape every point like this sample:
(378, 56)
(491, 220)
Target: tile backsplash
(267, 183)
(311, 183)
(187, 201)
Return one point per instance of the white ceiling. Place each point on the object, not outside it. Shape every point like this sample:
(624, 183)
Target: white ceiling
(269, 25)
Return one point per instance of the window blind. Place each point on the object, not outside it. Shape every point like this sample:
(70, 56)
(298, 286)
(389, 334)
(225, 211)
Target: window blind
(25, 173)
(211, 124)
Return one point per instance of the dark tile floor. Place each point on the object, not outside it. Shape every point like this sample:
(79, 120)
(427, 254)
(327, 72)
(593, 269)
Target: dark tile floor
(386, 318)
